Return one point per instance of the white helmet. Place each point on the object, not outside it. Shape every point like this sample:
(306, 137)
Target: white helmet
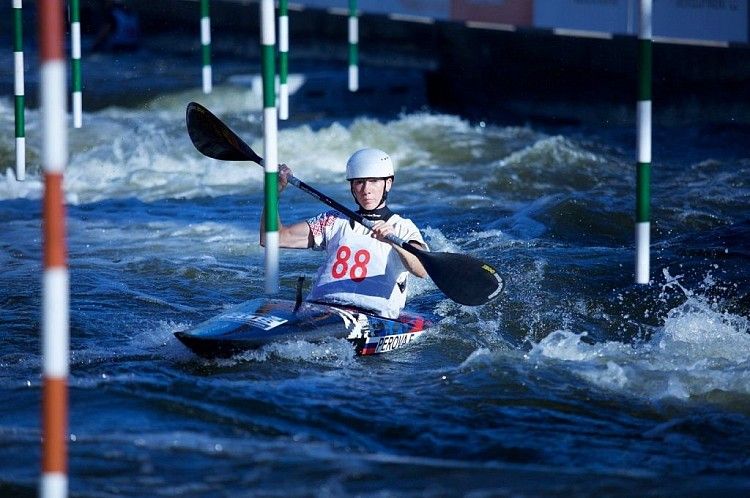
(369, 163)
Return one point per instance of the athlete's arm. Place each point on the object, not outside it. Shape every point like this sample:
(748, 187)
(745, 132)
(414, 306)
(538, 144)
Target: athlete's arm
(295, 236)
(381, 230)
(411, 262)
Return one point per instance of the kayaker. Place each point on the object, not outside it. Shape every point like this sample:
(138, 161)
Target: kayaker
(362, 268)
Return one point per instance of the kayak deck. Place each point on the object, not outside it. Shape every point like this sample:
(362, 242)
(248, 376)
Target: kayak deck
(253, 324)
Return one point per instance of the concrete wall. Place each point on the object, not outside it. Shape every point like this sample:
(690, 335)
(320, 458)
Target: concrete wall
(476, 72)
(484, 68)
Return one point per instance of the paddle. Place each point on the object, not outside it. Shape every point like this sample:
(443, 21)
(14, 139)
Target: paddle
(462, 278)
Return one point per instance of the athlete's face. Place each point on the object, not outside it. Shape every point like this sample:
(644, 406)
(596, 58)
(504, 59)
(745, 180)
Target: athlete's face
(369, 191)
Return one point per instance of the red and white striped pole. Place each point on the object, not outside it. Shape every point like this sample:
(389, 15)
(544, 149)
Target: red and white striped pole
(55, 292)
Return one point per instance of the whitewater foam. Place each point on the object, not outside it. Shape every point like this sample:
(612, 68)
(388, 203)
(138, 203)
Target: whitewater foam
(699, 351)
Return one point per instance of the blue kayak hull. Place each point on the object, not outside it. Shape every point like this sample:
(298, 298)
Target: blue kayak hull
(262, 321)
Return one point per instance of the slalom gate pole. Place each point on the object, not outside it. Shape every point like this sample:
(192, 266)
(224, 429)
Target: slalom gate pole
(283, 59)
(20, 99)
(643, 175)
(353, 47)
(55, 291)
(270, 144)
(206, 46)
(75, 49)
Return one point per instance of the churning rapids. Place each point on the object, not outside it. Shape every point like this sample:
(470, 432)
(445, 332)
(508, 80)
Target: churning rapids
(576, 381)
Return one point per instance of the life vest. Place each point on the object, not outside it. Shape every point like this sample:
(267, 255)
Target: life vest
(359, 270)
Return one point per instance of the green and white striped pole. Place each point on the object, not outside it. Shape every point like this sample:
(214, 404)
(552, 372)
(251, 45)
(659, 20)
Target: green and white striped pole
(206, 46)
(75, 48)
(353, 47)
(643, 176)
(270, 153)
(19, 90)
(283, 59)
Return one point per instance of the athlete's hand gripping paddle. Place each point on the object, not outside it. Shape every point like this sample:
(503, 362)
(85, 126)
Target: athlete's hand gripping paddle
(462, 278)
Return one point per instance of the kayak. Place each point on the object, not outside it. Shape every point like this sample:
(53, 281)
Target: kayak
(256, 323)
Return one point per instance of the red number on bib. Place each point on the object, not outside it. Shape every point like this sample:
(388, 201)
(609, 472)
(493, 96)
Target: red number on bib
(341, 265)
(359, 269)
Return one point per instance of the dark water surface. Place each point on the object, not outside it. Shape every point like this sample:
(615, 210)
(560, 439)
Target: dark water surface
(576, 382)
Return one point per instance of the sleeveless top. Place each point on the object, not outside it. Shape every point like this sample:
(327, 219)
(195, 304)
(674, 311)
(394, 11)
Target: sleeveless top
(359, 270)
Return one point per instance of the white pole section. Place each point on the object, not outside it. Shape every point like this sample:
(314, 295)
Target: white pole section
(643, 174)
(270, 145)
(55, 289)
(206, 46)
(19, 90)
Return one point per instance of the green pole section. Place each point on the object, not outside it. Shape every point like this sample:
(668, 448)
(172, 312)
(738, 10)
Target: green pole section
(272, 201)
(19, 92)
(269, 76)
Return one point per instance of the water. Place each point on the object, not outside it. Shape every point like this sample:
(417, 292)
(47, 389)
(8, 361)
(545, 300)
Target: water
(576, 382)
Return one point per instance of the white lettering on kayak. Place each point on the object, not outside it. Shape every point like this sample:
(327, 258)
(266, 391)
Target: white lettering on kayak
(264, 322)
(391, 342)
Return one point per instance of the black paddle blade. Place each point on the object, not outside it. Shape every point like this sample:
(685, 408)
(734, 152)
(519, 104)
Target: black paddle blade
(462, 278)
(213, 138)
